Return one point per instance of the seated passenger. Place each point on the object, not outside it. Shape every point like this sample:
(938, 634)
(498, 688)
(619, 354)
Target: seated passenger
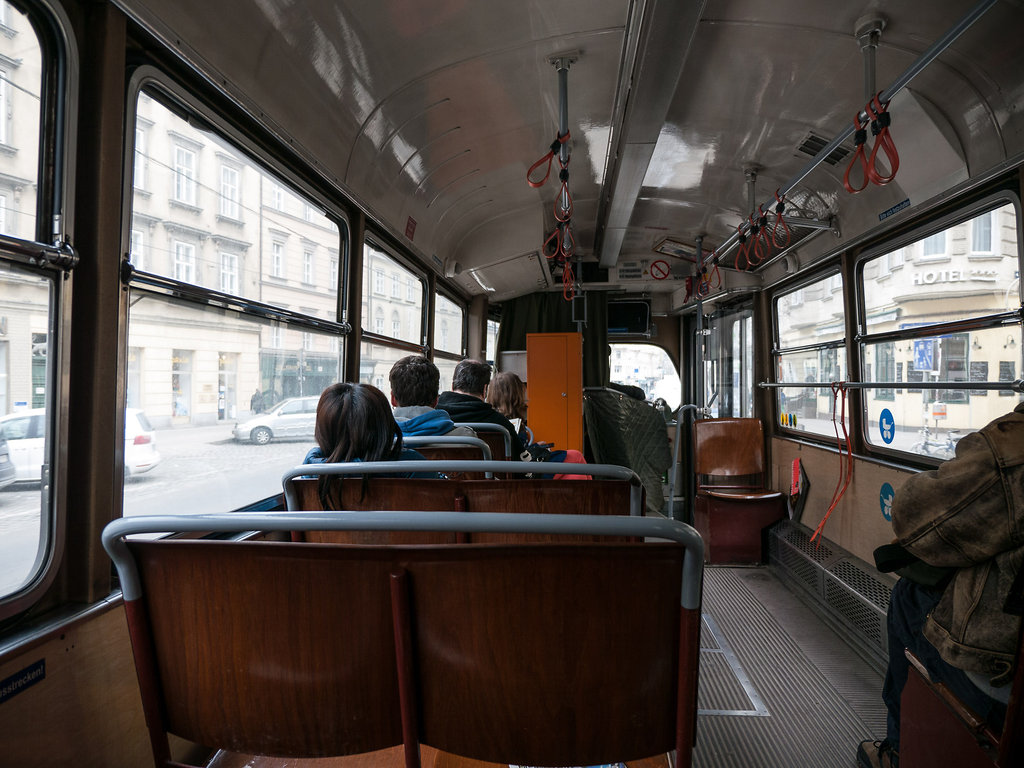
(466, 403)
(507, 395)
(354, 423)
(958, 627)
(415, 384)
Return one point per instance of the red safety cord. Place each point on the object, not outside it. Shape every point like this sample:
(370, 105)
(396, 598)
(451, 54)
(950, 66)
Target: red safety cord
(742, 250)
(880, 121)
(845, 461)
(563, 200)
(754, 250)
(780, 207)
(556, 145)
(860, 138)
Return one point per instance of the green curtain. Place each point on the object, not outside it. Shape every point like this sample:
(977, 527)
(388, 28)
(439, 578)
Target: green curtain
(550, 313)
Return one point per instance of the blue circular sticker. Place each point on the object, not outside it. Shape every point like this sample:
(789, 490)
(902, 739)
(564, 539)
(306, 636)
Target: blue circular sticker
(885, 498)
(887, 427)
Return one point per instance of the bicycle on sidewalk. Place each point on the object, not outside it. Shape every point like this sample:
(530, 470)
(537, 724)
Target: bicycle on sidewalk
(930, 445)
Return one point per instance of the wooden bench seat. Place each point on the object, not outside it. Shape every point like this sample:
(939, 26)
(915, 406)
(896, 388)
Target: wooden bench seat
(523, 654)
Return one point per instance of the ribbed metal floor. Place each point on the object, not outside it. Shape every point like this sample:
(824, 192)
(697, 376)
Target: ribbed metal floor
(777, 686)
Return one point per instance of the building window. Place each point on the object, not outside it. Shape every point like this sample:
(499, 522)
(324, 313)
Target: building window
(276, 196)
(444, 334)
(137, 249)
(229, 273)
(185, 175)
(307, 341)
(277, 259)
(308, 212)
(5, 104)
(185, 262)
(934, 245)
(378, 281)
(396, 325)
(140, 170)
(334, 274)
(307, 267)
(378, 321)
(229, 192)
(410, 290)
(276, 337)
(395, 292)
(981, 233)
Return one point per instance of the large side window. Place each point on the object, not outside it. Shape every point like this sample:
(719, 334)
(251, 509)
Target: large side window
(225, 369)
(392, 317)
(449, 327)
(30, 299)
(810, 347)
(940, 310)
(648, 367)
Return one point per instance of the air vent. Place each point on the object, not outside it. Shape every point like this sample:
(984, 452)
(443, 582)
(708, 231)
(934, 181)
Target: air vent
(813, 144)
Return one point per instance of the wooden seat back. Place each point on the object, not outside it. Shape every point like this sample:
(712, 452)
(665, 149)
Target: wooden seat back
(526, 654)
(559, 663)
(253, 646)
(729, 453)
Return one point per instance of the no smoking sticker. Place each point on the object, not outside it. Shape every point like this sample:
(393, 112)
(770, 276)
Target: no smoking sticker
(660, 269)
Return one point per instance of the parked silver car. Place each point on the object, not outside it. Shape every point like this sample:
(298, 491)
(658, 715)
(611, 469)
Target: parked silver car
(292, 418)
(7, 470)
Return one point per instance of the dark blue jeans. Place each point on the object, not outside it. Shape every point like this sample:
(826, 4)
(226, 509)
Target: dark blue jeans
(909, 606)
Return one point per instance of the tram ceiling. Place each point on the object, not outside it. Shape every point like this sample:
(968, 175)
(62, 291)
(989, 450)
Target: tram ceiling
(430, 114)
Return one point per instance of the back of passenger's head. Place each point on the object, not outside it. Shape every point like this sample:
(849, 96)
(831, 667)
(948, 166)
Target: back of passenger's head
(507, 395)
(414, 381)
(471, 377)
(354, 421)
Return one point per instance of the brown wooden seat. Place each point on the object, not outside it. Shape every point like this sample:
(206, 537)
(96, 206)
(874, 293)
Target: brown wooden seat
(454, 448)
(733, 503)
(936, 728)
(524, 654)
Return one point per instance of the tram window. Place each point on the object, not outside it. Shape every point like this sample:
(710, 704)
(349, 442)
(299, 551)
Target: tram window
(810, 327)
(492, 339)
(230, 399)
(403, 310)
(968, 272)
(20, 86)
(24, 433)
(649, 367)
(448, 324)
(205, 212)
(29, 315)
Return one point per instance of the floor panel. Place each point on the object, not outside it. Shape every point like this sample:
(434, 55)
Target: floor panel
(778, 687)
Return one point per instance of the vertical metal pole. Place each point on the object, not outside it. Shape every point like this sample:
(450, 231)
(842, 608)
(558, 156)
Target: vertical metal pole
(684, 409)
(563, 117)
(868, 31)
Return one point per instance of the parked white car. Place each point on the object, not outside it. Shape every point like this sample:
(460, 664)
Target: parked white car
(25, 433)
(292, 418)
(140, 454)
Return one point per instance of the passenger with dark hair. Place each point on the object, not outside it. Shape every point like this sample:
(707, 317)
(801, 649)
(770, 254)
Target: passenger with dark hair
(415, 384)
(466, 402)
(960, 534)
(354, 423)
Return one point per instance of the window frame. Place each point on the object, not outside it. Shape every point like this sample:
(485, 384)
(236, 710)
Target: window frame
(54, 148)
(947, 333)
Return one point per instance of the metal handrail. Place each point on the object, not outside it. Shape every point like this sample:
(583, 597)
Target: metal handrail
(115, 532)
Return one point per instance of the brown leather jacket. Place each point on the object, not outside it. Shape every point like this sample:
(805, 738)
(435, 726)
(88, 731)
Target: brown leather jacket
(969, 514)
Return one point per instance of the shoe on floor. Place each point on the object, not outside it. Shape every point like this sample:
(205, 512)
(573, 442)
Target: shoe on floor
(877, 754)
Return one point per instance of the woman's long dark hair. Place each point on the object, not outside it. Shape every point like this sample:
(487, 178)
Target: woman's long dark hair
(354, 421)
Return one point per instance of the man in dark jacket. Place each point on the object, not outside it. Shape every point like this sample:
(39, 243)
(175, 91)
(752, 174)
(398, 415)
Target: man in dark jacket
(967, 516)
(465, 403)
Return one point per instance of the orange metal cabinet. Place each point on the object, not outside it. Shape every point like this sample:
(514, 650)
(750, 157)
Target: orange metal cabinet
(554, 385)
